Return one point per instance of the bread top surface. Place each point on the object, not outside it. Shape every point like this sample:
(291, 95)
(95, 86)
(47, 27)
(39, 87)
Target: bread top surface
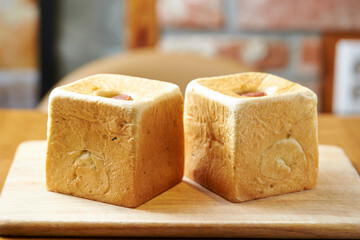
(137, 88)
(101, 88)
(229, 89)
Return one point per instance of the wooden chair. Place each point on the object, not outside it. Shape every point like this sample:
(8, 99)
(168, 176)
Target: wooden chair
(142, 60)
(148, 63)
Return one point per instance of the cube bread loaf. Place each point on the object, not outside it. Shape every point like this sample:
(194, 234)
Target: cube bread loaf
(122, 152)
(250, 135)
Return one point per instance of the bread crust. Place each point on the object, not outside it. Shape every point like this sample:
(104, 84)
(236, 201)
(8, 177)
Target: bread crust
(245, 148)
(99, 148)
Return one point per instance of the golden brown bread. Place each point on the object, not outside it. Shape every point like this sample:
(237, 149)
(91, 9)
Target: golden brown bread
(245, 148)
(115, 151)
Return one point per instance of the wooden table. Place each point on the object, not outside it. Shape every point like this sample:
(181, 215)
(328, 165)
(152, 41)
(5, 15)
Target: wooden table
(17, 126)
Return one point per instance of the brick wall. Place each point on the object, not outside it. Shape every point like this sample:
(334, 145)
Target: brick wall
(277, 36)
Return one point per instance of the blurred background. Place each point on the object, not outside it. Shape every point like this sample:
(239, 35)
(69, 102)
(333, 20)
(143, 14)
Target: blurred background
(314, 43)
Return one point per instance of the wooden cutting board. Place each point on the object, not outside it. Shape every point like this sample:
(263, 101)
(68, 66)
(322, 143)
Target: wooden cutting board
(331, 210)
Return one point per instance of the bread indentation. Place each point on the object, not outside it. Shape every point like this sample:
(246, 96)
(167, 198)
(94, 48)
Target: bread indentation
(253, 94)
(256, 92)
(105, 93)
(112, 94)
(89, 174)
(235, 85)
(282, 159)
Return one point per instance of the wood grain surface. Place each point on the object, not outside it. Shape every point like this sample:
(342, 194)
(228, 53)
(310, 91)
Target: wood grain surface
(17, 126)
(331, 210)
(20, 125)
(142, 29)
